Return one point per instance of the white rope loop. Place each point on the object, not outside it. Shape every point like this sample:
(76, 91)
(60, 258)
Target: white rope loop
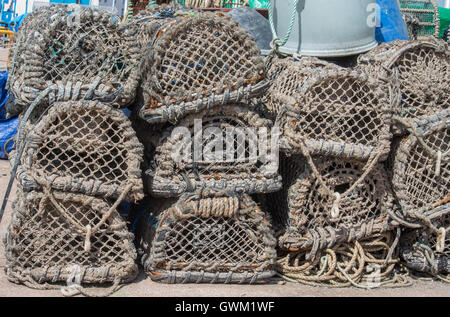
(440, 243)
(335, 207)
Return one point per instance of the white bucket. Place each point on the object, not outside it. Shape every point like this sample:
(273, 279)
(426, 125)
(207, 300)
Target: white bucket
(326, 28)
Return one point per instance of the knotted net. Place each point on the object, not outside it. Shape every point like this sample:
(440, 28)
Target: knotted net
(367, 263)
(61, 237)
(421, 172)
(332, 110)
(210, 240)
(83, 147)
(333, 209)
(423, 72)
(227, 148)
(79, 53)
(18, 57)
(200, 60)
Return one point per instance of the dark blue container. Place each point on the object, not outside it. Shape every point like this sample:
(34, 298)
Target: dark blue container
(391, 25)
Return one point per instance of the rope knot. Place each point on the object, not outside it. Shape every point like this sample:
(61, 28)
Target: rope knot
(335, 207)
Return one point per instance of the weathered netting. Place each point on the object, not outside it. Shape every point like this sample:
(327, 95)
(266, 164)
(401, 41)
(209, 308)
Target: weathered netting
(331, 110)
(426, 251)
(277, 203)
(83, 147)
(423, 72)
(421, 17)
(421, 172)
(59, 237)
(200, 60)
(335, 208)
(18, 58)
(227, 152)
(80, 53)
(210, 240)
(366, 263)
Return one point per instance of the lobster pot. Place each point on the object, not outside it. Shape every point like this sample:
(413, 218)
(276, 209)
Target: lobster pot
(422, 69)
(347, 206)
(18, 66)
(80, 53)
(198, 61)
(421, 17)
(228, 149)
(365, 263)
(55, 236)
(83, 147)
(209, 240)
(330, 110)
(428, 251)
(421, 173)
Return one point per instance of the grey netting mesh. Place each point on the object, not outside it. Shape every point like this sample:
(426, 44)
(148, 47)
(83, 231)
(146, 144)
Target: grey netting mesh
(332, 110)
(213, 240)
(335, 208)
(19, 57)
(60, 237)
(366, 263)
(79, 53)
(426, 251)
(220, 149)
(421, 173)
(423, 70)
(421, 17)
(84, 147)
(200, 60)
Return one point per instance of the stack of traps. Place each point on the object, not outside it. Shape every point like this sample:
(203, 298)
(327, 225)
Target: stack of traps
(419, 158)
(80, 161)
(335, 133)
(203, 155)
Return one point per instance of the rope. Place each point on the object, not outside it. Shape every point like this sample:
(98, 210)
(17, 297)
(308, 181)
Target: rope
(21, 148)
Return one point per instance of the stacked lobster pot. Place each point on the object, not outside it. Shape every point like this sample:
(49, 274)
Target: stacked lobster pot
(420, 155)
(202, 160)
(77, 156)
(332, 214)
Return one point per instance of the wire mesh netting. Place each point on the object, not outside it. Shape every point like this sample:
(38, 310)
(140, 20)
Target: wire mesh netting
(421, 17)
(83, 147)
(56, 236)
(421, 169)
(200, 60)
(78, 53)
(332, 110)
(423, 72)
(321, 213)
(366, 263)
(222, 149)
(213, 240)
